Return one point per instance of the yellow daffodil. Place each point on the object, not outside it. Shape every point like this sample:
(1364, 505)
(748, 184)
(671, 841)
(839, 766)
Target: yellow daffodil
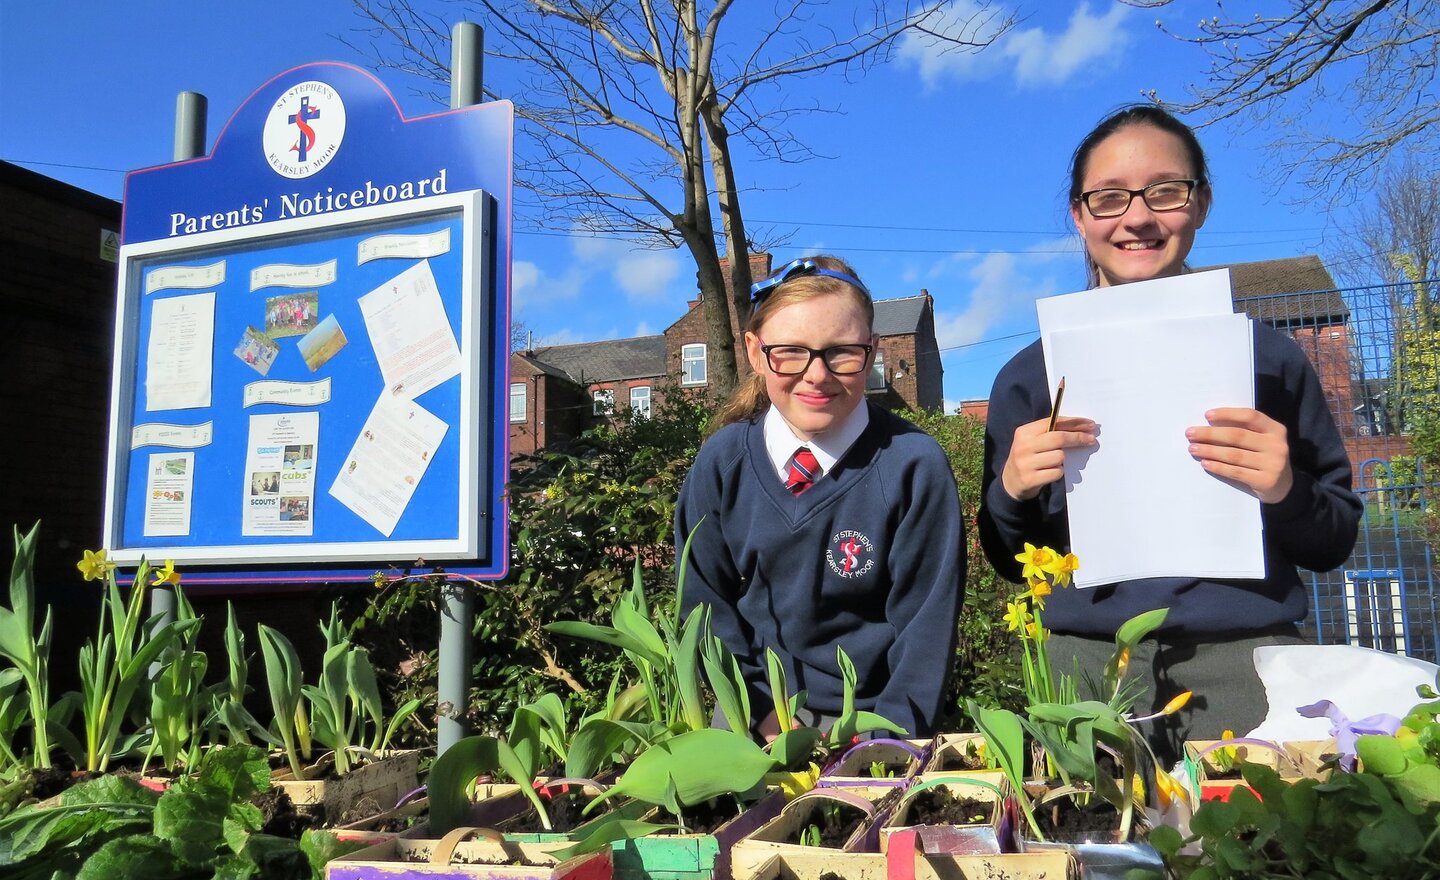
(166, 575)
(1040, 588)
(1122, 662)
(1038, 561)
(95, 566)
(1016, 616)
(1065, 566)
(1032, 632)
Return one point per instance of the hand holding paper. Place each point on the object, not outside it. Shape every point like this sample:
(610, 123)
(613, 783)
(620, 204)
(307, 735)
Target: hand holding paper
(1248, 447)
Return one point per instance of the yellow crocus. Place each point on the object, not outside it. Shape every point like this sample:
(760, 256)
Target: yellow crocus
(166, 575)
(95, 566)
(1169, 790)
(1178, 702)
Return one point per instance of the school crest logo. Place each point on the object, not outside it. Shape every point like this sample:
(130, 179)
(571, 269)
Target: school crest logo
(304, 129)
(850, 554)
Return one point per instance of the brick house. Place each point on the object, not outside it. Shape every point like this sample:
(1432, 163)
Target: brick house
(558, 391)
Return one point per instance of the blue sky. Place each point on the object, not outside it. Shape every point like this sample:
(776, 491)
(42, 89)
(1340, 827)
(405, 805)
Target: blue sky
(945, 172)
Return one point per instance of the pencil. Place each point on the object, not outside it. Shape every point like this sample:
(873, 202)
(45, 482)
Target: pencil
(1055, 410)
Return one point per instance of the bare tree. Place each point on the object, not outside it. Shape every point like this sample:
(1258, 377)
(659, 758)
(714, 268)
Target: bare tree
(1342, 83)
(1395, 242)
(630, 113)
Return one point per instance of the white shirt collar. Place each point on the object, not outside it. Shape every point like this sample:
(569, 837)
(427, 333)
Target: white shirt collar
(829, 447)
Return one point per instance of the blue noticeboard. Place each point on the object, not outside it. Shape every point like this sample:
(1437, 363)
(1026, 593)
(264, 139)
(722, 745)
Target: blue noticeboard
(311, 341)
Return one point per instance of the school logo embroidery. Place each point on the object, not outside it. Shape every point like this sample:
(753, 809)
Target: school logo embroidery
(304, 129)
(850, 555)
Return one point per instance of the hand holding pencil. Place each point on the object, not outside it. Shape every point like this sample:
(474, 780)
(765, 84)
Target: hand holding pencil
(1037, 451)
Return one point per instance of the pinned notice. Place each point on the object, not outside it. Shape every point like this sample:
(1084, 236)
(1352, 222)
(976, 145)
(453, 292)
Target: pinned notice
(187, 277)
(388, 460)
(409, 247)
(279, 491)
(410, 332)
(178, 358)
(292, 275)
(169, 485)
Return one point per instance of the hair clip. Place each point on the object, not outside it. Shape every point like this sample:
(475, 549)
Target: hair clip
(794, 269)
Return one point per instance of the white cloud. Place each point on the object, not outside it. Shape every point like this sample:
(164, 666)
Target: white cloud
(566, 336)
(642, 275)
(647, 275)
(1037, 57)
(644, 329)
(530, 285)
(1002, 288)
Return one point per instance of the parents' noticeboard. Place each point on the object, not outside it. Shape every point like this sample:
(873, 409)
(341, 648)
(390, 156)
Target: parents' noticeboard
(312, 332)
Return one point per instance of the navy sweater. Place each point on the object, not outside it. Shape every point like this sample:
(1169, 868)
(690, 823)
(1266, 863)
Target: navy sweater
(871, 558)
(1314, 526)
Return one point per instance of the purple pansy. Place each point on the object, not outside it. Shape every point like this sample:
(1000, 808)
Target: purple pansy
(1346, 731)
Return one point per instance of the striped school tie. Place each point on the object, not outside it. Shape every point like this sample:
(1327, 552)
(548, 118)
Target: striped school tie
(804, 471)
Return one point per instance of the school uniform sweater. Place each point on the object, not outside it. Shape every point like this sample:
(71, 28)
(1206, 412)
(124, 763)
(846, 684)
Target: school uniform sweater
(1313, 526)
(870, 558)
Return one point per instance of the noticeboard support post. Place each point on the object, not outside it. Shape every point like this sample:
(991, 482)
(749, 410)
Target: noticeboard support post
(457, 609)
(190, 122)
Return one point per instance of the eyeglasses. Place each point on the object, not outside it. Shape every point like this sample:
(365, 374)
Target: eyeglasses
(792, 360)
(1164, 195)
(795, 268)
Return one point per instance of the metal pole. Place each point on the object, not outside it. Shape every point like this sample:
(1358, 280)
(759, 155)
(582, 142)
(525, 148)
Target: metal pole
(457, 609)
(190, 109)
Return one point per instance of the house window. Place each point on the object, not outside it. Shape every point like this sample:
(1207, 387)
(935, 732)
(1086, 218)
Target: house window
(692, 364)
(517, 402)
(604, 402)
(876, 380)
(640, 401)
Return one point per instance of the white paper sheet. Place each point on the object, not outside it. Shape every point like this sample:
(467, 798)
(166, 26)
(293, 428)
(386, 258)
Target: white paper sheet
(1192, 295)
(279, 490)
(388, 460)
(169, 486)
(179, 354)
(411, 335)
(1360, 681)
(1139, 504)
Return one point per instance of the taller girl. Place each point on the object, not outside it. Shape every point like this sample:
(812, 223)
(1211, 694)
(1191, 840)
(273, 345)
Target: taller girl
(820, 520)
(1139, 191)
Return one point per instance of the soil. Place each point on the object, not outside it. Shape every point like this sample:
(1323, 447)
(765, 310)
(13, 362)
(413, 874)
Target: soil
(703, 818)
(46, 782)
(1061, 819)
(953, 760)
(837, 822)
(363, 808)
(280, 817)
(564, 810)
(940, 807)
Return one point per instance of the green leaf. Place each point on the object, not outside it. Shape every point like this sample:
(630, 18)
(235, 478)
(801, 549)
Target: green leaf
(192, 823)
(599, 835)
(451, 775)
(791, 749)
(641, 632)
(138, 855)
(698, 765)
(593, 744)
(1382, 755)
(320, 847)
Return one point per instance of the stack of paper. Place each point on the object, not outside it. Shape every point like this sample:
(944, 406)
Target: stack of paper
(1145, 361)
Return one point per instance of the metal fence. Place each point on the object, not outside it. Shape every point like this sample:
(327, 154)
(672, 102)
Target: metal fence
(1377, 352)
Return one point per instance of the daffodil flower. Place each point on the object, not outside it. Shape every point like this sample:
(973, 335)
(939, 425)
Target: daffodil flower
(95, 566)
(1065, 566)
(1038, 561)
(1016, 616)
(167, 575)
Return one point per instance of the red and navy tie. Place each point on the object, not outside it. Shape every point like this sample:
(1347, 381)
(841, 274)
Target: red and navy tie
(804, 471)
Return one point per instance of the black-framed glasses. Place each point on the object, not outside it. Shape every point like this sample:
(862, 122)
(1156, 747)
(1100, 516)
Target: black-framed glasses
(795, 268)
(792, 360)
(1163, 195)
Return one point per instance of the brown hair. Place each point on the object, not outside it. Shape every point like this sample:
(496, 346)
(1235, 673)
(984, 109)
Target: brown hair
(750, 400)
(1126, 117)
